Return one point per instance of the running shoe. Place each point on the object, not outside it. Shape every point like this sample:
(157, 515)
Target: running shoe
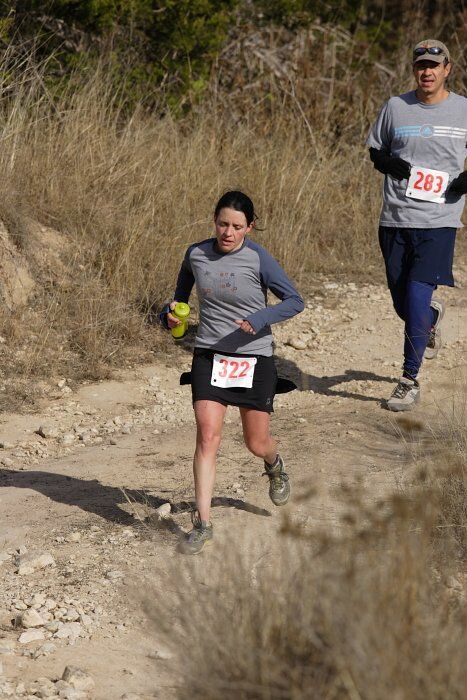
(405, 395)
(279, 486)
(201, 535)
(434, 341)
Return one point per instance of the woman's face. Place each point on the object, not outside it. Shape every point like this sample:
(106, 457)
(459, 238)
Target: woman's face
(231, 229)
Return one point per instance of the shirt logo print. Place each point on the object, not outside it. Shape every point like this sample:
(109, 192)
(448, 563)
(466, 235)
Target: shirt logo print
(227, 284)
(426, 131)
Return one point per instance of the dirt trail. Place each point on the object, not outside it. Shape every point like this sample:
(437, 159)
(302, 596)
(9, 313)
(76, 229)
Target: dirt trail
(62, 493)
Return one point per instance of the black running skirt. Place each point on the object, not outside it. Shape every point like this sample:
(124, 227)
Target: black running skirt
(260, 396)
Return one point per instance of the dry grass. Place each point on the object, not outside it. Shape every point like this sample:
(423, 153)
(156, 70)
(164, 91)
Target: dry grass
(128, 194)
(375, 613)
(440, 457)
(133, 191)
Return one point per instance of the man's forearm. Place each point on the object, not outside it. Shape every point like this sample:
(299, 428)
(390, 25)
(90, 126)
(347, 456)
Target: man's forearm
(390, 165)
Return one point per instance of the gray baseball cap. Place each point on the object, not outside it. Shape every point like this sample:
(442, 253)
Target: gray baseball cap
(422, 51)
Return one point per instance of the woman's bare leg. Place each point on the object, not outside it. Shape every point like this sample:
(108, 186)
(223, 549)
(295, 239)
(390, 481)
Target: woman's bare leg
(209, 421)
(259, 440)
(256, 433)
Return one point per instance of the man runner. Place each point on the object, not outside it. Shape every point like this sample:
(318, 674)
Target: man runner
(419, 142)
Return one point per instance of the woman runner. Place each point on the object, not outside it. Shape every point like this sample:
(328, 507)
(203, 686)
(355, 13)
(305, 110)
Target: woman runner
(232, 360)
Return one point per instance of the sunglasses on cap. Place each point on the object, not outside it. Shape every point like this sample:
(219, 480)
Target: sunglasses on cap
(433, 50)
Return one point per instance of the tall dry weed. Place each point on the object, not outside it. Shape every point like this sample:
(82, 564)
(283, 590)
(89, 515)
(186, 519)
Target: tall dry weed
(439, 453)
(376, 612)
(129, 192)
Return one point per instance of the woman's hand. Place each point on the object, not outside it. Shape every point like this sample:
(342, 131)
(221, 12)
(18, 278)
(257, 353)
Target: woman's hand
(172, 321)
(245, 326)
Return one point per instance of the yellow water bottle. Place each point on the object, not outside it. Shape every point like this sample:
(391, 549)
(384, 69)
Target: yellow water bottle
(181, 311)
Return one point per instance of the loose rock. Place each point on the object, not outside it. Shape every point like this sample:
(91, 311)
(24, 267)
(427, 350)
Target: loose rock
(114, 575)
(297, 343)
(164, 510)
(79, 679)
(43, 688)
(69, 630)
(73, 694)
(45, 650)
(30, 562)
(7, 646)
(74, 537)
(163, 654)
(67, 439)
(32, 635)
(47, 431)
(31, 618)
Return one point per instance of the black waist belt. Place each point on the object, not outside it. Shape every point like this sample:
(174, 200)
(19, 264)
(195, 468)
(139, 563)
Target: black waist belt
(283, 385)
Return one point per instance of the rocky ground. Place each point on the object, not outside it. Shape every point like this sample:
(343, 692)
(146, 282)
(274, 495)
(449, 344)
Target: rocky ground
(96, 487)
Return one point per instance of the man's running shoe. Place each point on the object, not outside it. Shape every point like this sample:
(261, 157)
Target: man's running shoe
(434, 340)
(279, 486)
(405, 395)
(200, 536)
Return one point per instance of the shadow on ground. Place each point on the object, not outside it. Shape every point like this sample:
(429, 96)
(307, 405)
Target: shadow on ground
(310, 382)
(324, 385)
(104, 500)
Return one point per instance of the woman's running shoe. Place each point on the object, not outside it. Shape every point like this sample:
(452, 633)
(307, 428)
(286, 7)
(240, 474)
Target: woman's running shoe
(279, 486)
(194, 541)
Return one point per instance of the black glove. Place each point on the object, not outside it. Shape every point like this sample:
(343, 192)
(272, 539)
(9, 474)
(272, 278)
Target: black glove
(390, 165)
(459, 184)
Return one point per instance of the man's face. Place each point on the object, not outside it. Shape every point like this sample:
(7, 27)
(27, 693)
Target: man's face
(430, 76)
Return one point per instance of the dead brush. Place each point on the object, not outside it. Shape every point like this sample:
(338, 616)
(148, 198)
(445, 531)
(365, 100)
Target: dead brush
(438, 452)
(130, 191)
(102, 326)
(375, 612)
